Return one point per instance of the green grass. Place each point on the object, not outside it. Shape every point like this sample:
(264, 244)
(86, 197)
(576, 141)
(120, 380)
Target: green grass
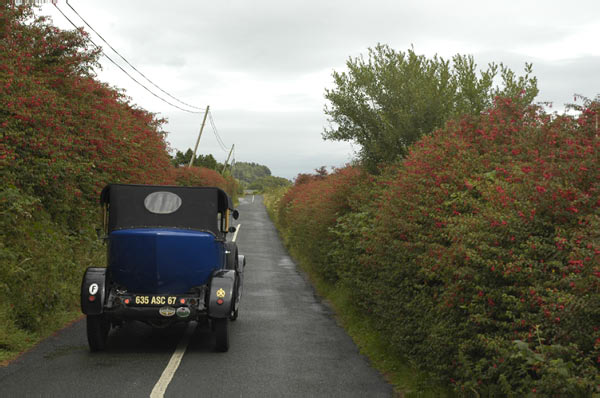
(17, 341)
(407, 381)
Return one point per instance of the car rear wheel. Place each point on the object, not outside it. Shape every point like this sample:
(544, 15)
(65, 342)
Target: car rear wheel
(236, 301)
(221, 326)
(97, 331)
(234, 315)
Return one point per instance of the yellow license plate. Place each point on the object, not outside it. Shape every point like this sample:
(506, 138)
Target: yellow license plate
(154, 300)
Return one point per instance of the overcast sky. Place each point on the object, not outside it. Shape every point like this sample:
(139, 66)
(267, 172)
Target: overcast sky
(263, 66)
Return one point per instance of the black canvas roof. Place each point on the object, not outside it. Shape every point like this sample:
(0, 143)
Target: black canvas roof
(197, 210)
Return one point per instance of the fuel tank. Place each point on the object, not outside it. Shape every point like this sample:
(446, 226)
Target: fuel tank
(163, 260)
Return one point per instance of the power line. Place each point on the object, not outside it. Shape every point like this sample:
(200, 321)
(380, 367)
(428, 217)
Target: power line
(214, 128)
(123, 70)
(211, 119)
(215, 131)
(127, 62)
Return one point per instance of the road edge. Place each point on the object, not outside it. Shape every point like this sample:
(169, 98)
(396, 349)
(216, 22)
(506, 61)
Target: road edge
(42, 337)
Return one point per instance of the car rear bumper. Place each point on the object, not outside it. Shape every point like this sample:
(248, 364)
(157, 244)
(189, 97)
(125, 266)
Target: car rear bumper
(187, 307)
(181, 313)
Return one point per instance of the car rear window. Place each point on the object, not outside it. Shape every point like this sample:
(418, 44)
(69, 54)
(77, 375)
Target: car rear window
(162, 202)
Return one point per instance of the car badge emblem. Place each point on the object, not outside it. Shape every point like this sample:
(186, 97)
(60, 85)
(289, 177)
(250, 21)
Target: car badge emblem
(220, 293)
(93, 288)
(183, 312)
(167, 311)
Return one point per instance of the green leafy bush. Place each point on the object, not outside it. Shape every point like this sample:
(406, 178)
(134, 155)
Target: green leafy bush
(41, 264)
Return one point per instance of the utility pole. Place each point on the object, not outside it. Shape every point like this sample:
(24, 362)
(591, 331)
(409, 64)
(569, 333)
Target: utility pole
(228, 156)
(199, 135)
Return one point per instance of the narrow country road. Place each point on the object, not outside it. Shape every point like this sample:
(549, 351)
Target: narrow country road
(284, 344)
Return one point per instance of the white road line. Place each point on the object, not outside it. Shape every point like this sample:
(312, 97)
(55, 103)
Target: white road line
(167, 375)
(237, 229)
(252, 198)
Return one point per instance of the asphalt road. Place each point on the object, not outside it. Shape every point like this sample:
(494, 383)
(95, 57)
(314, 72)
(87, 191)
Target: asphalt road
(285, 343)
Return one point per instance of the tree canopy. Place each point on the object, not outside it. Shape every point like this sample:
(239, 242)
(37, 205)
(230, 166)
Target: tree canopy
(183, 159)
(267, 183)
(250, 172)
(389, 99)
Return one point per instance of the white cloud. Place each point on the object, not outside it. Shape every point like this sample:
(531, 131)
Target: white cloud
(263, 65)
(577, 44)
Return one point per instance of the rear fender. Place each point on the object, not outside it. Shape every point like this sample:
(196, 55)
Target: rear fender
(93, 284)
(221, 287)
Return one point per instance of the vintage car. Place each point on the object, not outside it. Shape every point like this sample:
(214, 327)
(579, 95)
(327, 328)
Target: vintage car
(168, 261)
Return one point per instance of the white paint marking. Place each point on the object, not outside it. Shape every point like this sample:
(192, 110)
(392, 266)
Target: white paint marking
(237, 229)
(93, 289)
(167, 375)
(286, 263)
(252, 198)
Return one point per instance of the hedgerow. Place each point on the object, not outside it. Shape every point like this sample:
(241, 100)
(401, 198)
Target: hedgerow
(310, 208)
(200, 176)
(479, 254)
(63, 136)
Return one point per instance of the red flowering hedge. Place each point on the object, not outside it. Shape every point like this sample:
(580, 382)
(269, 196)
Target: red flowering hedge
(64, 134)
(63, 137)
(200, 176)
(310, 208)
(479, 254)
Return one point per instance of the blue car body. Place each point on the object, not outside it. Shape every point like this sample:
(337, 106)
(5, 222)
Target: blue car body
(163, 260)
(168, 261)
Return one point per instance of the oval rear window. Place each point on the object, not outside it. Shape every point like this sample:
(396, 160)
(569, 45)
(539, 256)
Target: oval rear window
(162, 202)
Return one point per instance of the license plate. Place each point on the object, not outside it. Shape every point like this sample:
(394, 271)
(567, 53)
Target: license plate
(154, 300)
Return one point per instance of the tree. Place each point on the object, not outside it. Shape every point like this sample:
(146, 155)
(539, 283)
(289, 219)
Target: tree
(386, 102)
(183, 159)
(250, 172)
(269, 183)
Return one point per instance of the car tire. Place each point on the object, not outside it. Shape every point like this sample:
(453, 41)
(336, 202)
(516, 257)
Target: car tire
(235, 304)
(221, 326)
(97, 331)
(234, 315)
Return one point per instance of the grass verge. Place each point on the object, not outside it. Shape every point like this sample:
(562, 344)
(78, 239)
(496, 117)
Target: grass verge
(21, 341)
(406, 380)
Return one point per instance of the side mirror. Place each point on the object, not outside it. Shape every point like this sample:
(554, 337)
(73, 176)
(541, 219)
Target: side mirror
(235, 214)
(232, 229)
